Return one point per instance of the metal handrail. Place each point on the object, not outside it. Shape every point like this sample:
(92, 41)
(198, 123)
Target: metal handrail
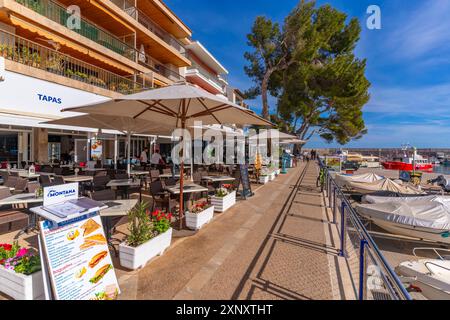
(396, 283)
(149, 24)
(24, 51)
(210, 76)
(57, 13)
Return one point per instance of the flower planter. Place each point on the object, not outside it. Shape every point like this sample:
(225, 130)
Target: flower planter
(135, 258)
(272, 176)
(22, 287)
(197, 220)
(264, 179)
(225, 203)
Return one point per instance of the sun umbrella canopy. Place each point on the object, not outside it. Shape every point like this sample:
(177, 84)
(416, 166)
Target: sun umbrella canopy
(173, 104)
(105, 122)
(271, 134)
(294, 141)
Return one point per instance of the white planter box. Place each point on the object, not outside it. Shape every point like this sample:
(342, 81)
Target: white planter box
(223, 204)
(20, 286)
(264, 179)
(197, 220)
(272, 176)
(135, 258)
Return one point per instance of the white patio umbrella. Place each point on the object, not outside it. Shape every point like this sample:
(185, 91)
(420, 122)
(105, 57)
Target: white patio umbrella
(294, 141)
(272, 134)
(176, 106)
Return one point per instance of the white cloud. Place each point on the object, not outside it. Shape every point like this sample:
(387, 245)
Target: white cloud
(423, 32)
(432, 100)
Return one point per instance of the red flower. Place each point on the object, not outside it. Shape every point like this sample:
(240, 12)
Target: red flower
(170, 216)
(6, 247)
(155, 213)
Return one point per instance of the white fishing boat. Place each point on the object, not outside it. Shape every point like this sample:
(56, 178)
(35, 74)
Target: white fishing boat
(421, 219)
(382, 185)
(370, 199)
(431, 276)
(344, 180)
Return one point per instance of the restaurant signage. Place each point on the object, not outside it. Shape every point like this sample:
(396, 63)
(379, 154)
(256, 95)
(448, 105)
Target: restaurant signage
(77, 259)
(96, 149)
(60, 193)
(245, 181)
(2, 69)
(333, 163)
(26, 91)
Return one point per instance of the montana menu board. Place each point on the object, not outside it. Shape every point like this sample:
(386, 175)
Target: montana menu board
(245, 180)
(78, 259)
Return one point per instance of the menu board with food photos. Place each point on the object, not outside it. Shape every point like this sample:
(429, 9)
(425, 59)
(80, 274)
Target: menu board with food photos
(96, 149)
(78, 261)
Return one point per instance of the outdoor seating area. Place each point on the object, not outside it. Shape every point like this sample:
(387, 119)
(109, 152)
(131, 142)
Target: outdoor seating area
(211, 191)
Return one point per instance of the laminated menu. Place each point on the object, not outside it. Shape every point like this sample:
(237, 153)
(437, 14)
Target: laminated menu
(78, 261)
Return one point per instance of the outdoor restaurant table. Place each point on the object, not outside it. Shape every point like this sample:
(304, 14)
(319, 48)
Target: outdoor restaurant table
(78, 178)
(169, 175)
(51, 174)
(22, 173)
(116, 208)
(189, 188)
(24, 198)
(82, 180)
(218, 180)
(126, 184)
(139, 173)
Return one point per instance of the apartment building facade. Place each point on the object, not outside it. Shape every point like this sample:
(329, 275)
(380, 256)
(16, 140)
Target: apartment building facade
(205, 70)
(58, 54)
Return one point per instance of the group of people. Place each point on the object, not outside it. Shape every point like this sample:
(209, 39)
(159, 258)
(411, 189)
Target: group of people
(308, 156)
(155, 160)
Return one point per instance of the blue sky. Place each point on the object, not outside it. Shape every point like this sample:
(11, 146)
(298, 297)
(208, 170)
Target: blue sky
(408, 61)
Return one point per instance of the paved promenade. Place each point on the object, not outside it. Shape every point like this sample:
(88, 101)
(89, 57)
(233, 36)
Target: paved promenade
(279, 244)
(276, 245)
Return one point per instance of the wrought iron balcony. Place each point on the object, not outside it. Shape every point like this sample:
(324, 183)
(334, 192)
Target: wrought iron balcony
(21, 50)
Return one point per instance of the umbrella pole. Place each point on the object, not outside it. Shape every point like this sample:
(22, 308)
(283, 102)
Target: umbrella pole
(182, 179)
(129, 154)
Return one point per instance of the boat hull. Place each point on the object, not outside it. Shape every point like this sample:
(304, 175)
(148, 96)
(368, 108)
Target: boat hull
(434, 235)
(433, 287)
(402, 166)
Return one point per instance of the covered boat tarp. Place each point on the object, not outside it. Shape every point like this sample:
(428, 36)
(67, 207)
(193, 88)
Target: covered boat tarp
(382, 185)
(343, 180)
(372, 199)
(426, 214)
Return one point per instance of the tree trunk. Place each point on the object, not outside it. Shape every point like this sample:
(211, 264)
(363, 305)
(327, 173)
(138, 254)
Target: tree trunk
(264, 89)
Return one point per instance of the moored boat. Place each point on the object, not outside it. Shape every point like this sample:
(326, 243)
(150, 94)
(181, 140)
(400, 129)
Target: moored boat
(424, 219)
(417, 162)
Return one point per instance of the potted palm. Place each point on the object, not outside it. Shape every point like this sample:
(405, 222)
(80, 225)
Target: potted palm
(20, 273)
(224, 199)
(150, 235)
(200, 214)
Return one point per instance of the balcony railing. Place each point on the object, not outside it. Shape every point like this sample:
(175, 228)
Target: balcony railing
(58, 13)
(209, 75)
(26, 52)
(149, 24)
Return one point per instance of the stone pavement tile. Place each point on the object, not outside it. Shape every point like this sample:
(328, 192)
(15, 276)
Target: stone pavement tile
(284, 257)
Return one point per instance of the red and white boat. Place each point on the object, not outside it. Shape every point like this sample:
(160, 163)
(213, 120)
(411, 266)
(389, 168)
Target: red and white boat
(406, 164)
